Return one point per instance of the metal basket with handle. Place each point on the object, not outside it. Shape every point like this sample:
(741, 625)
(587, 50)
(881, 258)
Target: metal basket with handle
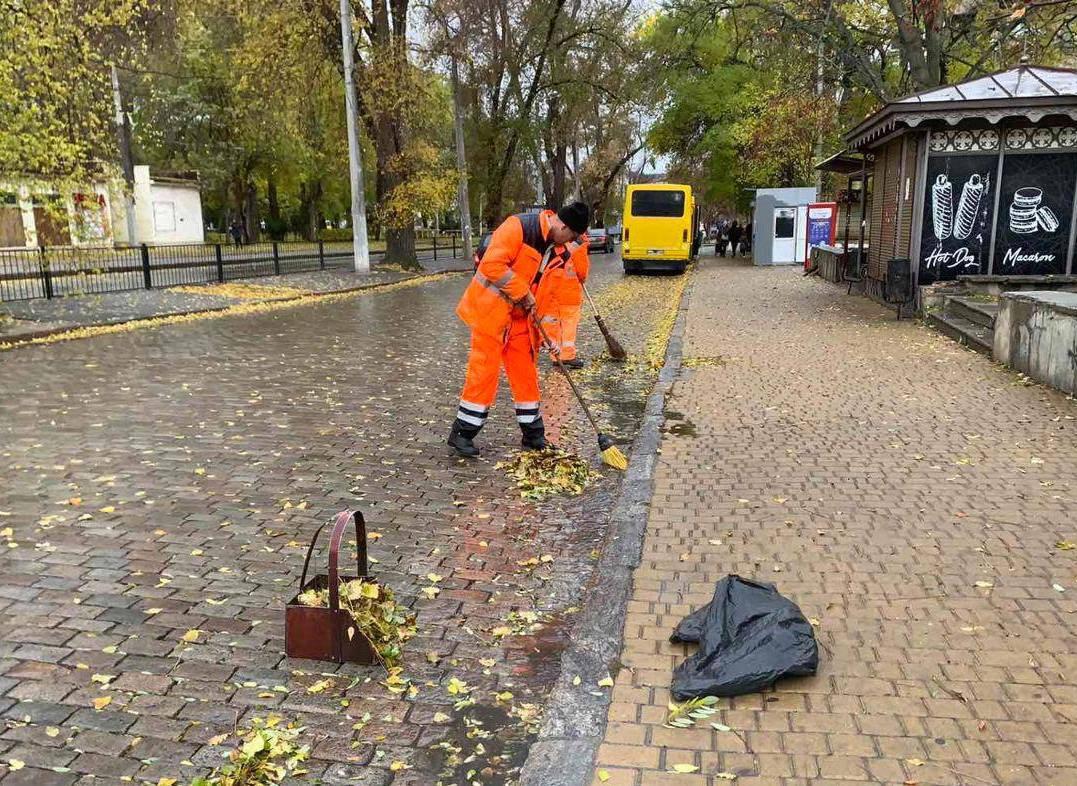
(329, 633)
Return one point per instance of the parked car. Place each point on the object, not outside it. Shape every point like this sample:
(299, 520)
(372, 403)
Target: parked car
(480, 249)
(598, 240)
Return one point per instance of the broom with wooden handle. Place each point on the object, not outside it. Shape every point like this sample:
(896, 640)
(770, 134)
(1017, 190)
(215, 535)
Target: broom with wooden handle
(617, 352)
(607, 448)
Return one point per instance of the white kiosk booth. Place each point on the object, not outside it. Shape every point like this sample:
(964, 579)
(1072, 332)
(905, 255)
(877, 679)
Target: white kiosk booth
(780, 225)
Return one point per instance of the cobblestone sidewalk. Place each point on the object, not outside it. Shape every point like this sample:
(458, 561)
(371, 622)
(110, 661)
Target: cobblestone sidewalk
(915, 500)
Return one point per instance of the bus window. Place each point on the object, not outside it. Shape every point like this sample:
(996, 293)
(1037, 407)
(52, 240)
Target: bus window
(658, 204)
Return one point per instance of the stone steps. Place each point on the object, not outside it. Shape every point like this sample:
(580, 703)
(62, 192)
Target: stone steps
(982, 312)
(969, 321)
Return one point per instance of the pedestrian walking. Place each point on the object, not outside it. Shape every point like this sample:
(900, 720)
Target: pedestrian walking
(735, 232)
(236, 231)
(498, 304)
(746, 243)
(721, 239)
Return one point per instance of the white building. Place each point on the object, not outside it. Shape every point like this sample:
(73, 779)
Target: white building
(168, 209)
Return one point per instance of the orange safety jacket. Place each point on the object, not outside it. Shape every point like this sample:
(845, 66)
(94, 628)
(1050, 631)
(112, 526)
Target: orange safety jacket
(561, 282)
(507, 271)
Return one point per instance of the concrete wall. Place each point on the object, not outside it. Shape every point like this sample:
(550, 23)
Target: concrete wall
(177, 213)
(166, 212)
(1036, 333)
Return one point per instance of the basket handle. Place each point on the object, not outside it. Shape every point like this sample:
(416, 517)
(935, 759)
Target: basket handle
(334, 549)
(334, 552)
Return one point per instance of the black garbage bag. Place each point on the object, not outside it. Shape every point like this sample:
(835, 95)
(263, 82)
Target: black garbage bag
(749, 636)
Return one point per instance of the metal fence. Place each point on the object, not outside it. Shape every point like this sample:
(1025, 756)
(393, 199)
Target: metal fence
(56, 271)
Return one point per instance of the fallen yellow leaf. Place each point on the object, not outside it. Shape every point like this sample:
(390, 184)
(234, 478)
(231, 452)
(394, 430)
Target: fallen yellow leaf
(15, 764)
(684, 768)
(603, 775)
(101, 702)
(191, 635)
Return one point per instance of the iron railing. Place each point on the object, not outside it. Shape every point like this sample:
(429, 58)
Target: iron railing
(56, 271)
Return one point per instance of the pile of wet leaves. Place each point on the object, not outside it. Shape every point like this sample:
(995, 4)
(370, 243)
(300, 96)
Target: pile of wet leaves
(542, 473)
(242, 291)
(269, 753)
(385, 623)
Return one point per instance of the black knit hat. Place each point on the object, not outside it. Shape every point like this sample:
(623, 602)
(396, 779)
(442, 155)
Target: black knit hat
(576, 216)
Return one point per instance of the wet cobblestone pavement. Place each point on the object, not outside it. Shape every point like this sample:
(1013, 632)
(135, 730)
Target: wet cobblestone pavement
(160, 487)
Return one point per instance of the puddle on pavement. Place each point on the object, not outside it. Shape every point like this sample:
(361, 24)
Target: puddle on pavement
(685, 429)
(487, 745)
(544, 655)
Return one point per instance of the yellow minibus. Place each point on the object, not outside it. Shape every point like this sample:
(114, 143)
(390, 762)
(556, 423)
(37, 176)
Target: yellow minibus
(660, 229)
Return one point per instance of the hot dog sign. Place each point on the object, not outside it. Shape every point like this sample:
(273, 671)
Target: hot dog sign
(957, 223)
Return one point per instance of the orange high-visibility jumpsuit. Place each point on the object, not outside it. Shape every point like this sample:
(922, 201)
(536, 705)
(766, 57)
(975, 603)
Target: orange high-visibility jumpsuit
(560, 298)
(501, 331)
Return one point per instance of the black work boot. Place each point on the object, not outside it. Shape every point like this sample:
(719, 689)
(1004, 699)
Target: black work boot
(461, 439)
(575, 363)
(534, 436)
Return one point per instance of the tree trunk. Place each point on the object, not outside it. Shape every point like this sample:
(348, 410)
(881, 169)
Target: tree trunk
(237, 197)
(309, 196)
(400, 247)
(913, 50)
(399, 240)
(389, 37)
(560, 159)
(251, 206)
(276, 226)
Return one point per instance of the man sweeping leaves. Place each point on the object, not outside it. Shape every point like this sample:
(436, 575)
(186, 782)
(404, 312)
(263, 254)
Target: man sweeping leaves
(500, 307)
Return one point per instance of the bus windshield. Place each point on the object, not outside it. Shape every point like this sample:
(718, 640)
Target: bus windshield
(658, 204)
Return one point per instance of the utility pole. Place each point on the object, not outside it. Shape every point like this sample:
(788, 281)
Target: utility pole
(463, 203)
(355, 153)
(123, 137)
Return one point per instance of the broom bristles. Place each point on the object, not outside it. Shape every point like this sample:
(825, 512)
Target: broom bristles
(616, 351)
(615, 458)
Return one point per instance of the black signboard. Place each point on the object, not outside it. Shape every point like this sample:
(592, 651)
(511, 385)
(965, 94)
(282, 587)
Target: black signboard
(956, 235)
(1034, 213)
